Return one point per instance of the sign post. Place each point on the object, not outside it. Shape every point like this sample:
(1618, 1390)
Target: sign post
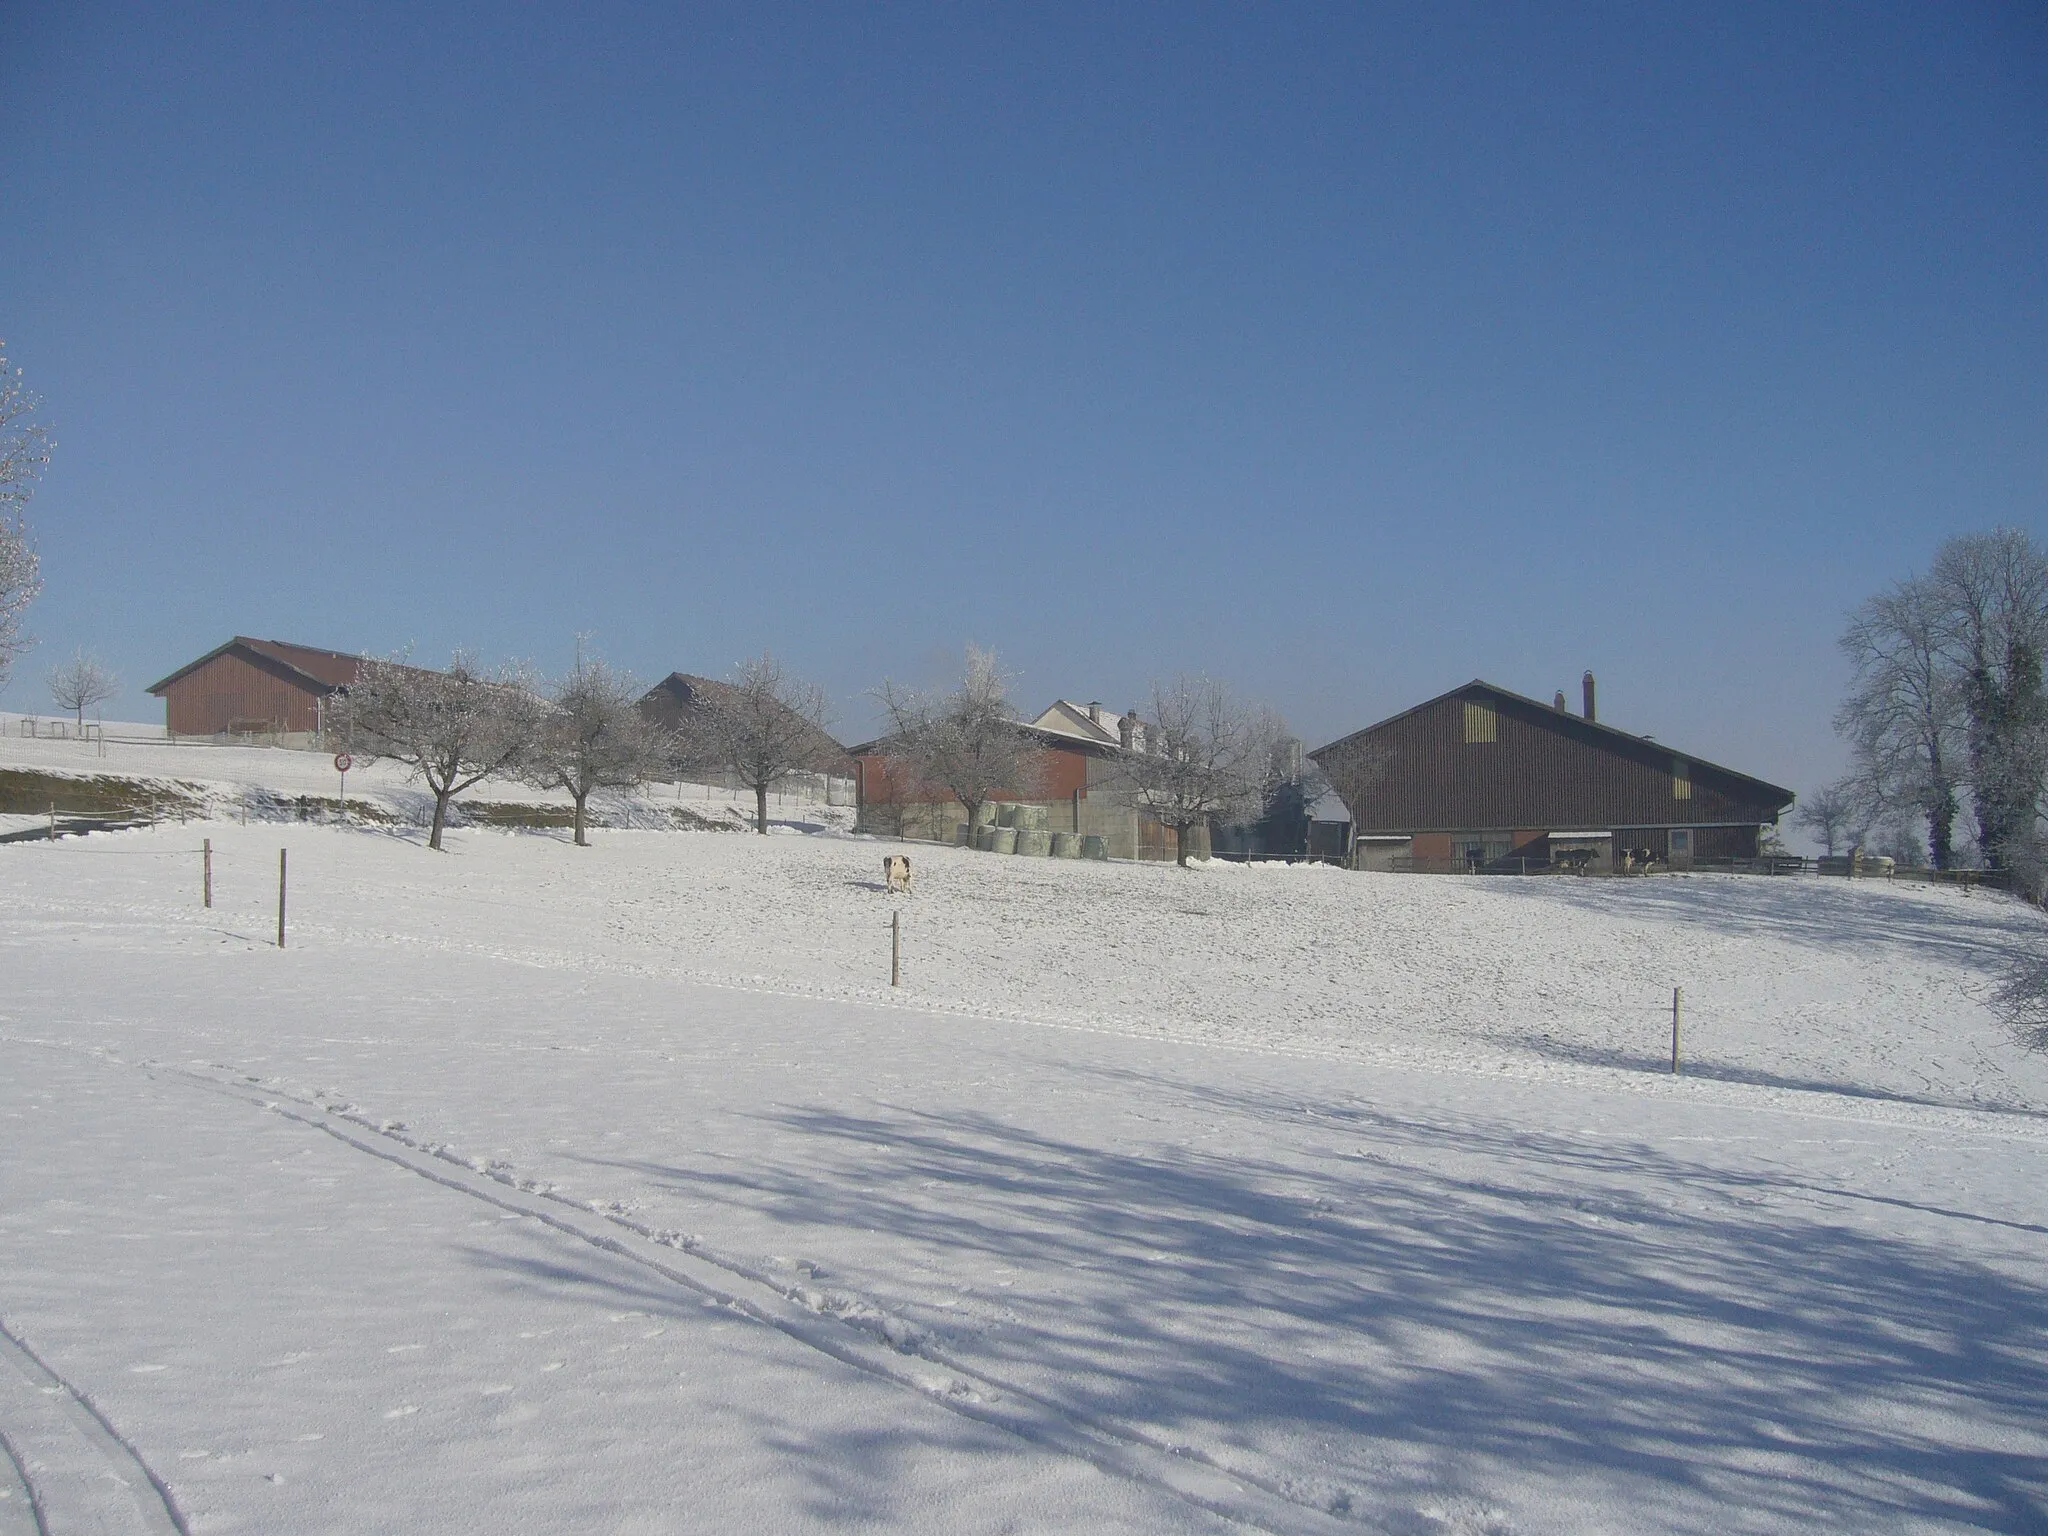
(342, 763)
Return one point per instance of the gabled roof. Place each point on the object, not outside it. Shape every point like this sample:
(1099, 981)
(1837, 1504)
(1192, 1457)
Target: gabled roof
(1050, 737)
(684, 689)
(1071, 719)
(1593, 728)
(1062, 723)
(322, 671)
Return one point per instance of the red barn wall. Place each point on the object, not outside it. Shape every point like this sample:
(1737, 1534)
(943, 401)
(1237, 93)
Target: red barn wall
(231, 692)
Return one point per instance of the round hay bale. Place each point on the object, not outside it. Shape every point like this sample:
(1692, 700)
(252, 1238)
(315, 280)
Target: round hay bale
(1034, 841)
(1093, 847)
(985, 814)
(1028, 818)
(1006, 815)
(1002, 840)
(985, 839)
(1066, 845)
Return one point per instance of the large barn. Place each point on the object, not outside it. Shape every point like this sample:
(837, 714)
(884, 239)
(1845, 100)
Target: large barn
(251, 687)
(1484, 778)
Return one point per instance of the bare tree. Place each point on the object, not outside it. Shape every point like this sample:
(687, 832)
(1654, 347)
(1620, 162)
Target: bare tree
(1355, 767)
(595, 738)
(455, 727)
(2023, 999)
(24, 450)
(762, 726)
(1833, 813)
(1904, 717)
(1208, 756)
(966, 741)
(80, 683)
(1991, 595)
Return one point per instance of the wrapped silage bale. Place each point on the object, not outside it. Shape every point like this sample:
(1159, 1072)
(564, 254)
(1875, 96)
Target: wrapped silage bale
(1066, 845)
(1093, 847)
(1002, 840)
(987, 814)
(1035, 841)
(985, 839)
(1007, 815)
(1028, 818)
(963, 834)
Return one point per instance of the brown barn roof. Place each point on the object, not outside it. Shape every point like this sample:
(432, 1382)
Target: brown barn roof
(1593, 729)
(676, 694)
(323, 670)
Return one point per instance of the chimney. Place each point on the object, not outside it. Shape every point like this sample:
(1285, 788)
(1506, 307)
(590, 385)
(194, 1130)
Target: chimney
(1095, 711)
(1587, 684)
(1558, 702)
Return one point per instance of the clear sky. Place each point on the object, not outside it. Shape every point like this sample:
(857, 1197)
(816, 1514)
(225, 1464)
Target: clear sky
(1343, 352)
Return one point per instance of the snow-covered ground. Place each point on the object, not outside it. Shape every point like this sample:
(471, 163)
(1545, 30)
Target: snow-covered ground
(537, 1188)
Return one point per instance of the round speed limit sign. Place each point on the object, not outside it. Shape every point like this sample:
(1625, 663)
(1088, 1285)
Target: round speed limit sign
(343, 762)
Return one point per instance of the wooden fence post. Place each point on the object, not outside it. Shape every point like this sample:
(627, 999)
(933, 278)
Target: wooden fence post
(895, 949)
(280, 898)
(206, 877)
(1677, 1005)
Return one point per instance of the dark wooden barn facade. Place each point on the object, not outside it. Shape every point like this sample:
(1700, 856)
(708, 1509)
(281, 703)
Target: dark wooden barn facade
(1481, 777)
(254, 687)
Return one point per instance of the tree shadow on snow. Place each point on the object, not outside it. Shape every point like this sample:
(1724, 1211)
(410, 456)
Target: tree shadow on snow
(1986, 931)
(1410, 1332)
(1659, 1063)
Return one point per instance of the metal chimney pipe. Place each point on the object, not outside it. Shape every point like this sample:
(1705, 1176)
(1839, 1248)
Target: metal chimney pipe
(1558, 703)
(1587, 684)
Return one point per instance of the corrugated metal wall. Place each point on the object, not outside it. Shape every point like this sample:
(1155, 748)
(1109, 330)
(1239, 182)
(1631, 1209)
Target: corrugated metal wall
(1540, 769)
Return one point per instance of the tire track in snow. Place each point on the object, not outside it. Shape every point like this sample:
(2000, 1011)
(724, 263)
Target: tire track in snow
(840, 1326)
(20, 1512)
(81, 1476)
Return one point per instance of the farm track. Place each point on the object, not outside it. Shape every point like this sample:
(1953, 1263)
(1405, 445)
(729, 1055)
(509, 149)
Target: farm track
(835, 1323)
(79, 1476)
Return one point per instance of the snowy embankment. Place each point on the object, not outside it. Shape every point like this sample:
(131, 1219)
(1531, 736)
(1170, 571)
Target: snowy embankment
(614, 1188)
(195, 779)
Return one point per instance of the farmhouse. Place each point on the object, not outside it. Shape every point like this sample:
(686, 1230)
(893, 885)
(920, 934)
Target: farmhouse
(1482, 778)
(1071, 774)
(255, 687)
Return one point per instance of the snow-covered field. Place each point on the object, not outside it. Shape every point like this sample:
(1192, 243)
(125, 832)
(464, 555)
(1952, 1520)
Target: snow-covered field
(537, 1188)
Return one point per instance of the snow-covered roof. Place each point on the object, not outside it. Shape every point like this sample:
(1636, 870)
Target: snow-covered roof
(1090, 722)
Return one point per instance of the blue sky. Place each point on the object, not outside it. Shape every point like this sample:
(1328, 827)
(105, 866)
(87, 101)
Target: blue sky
(1344, 352)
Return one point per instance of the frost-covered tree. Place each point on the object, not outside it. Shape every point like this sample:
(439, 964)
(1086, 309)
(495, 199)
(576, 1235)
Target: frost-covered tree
(966, 740)
(1832, 813)
(595, 738)
(80, 683)
(1208, 756)
(761, 726)
(454, 728)
(1904, 717)
(24, 450)
(2023, 999)
(1991, 596)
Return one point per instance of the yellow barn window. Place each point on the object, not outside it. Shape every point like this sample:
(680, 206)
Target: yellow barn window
(1481, 724)
(1681, 779)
